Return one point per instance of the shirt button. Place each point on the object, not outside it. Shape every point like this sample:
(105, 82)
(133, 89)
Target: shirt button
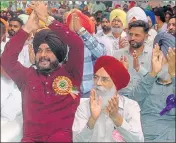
(67, 32)
(46, 83)
(56, 24)
(49, 75)
(47, 92)
(33, 87)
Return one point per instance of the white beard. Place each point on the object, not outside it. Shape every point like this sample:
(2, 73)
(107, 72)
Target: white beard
(106, 94)
(116, 30)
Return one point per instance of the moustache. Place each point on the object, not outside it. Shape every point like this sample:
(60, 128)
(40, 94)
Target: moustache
(44, 59)
(99, 88)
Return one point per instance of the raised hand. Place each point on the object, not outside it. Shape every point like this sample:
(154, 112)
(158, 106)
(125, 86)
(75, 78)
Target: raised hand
(157, 57)
(32, 23)
(123, 42)
(41, 9)
(112, 107)
(95, 105)
(171, 62)
(136, 65)
(124, 61)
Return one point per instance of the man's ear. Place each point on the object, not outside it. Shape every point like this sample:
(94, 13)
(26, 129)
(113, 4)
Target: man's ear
(146, 36)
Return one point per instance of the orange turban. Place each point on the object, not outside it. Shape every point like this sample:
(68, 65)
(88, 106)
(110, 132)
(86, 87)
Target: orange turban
(28, 10)
(85, 21)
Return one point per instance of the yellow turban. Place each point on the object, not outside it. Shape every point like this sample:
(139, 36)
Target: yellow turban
(120, 14)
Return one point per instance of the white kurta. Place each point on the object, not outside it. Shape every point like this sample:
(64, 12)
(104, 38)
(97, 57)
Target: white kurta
(11, 104)
(130, 129)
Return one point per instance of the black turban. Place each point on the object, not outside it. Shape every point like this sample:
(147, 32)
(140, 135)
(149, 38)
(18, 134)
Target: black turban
(55, 44)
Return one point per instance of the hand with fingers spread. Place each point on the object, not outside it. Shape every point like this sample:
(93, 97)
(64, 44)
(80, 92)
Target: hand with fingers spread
(95, 109)
(112, 107)
(95, 105)
(124, 61)
(171, 61)
(157, 57)
(136, 65)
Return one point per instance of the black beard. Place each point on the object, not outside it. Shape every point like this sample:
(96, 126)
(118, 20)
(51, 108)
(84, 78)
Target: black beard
(11, 33)
(106, 29)
(137, 45)
(51, 68)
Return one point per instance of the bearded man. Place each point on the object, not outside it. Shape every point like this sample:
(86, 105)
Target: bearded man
(50, 91)
(108, 116)
(138, 54)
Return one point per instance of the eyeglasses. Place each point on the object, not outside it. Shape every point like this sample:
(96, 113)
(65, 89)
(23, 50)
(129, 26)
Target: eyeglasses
(104, 80)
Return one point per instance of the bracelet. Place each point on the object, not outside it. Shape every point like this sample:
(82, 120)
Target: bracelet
(81, 30)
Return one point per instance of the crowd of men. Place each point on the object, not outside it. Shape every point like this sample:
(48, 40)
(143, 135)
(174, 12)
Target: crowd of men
(88, 73)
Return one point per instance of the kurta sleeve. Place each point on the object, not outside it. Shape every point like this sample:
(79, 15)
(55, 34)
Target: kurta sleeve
(9, 60)
(74, 65)
(143, 89)
(131, 129)
(81, 133)
(93, 45)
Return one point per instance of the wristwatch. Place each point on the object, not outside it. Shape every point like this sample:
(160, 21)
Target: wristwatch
(81, 30)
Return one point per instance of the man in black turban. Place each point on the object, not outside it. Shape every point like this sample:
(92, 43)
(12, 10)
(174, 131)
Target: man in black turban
(49, 50)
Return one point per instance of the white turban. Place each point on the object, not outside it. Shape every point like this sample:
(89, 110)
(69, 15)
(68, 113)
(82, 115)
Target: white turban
(138, 13)
(23, 17)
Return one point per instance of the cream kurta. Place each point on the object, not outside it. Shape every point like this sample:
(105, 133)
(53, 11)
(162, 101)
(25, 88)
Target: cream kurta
(130, 129)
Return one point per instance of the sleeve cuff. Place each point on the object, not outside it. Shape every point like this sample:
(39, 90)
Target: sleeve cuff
(85, 36)
(142, 71)
(86, 133)
(125, 126)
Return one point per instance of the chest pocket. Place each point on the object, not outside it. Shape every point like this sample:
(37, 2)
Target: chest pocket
(35, 86)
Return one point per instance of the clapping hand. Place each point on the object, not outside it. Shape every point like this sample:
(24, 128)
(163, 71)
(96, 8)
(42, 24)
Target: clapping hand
(136, 65)
(124, 61)
(95, 105)
(157, 58)
(112, 108)
(171, 62)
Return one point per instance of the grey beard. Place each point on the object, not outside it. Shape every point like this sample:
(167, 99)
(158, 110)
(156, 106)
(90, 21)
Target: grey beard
(106, 94)
(116, 30)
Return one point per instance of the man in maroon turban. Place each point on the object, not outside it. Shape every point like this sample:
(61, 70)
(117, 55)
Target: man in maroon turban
(108, 116)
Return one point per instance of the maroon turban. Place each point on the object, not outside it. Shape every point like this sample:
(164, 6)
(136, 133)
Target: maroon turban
(115, 69)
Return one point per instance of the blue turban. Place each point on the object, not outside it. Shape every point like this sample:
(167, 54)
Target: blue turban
(165, 40)
(151, 15)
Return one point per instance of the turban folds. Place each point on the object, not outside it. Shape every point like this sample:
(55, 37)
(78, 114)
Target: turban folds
(55, 44)
(85, 21)
(165, 40)
(138, 13)
(120, 14)
(115, 69)
(151, 15)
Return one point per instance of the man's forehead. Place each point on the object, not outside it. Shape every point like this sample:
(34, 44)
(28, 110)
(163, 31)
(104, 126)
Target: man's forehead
(44, 45)
(14, 23)
(172, 20)
(136, 30)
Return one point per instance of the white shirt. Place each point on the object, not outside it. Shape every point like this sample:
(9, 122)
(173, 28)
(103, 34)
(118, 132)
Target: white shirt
(145, 66)
(130, 129)
(109, 41)
(11, 104)
(97, 7)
